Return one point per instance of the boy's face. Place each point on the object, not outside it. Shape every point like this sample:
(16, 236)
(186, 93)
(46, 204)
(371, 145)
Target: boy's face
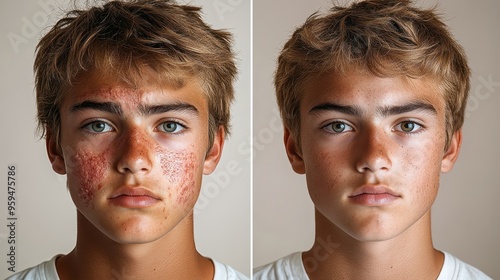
(134, 157)
(372, 150)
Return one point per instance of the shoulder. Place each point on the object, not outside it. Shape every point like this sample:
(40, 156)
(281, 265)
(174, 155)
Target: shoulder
(44, 271)
(455, 269)
(289, 267)
(225, 272)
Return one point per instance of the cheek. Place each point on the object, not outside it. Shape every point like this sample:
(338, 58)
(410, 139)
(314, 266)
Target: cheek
(424, 159)
(87, 170)
(179, 169)
(326, 173)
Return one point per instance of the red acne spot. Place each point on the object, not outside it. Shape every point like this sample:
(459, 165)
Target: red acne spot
(128, 96)
(188, 186)
(89, 170)
(179, 169)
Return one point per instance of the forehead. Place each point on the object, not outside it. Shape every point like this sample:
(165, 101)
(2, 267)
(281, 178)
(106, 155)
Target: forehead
(99, 86)
(363, 89)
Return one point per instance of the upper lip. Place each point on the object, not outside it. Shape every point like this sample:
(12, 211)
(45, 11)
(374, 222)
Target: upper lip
(134, 191)
(374, 189)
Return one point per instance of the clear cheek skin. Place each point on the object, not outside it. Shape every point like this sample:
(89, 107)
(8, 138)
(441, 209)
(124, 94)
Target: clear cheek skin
(88, 169)
(178, 167)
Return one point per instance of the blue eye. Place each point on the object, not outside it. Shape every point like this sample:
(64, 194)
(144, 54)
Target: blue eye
(98, 127)
(171, 127)
(337, 127)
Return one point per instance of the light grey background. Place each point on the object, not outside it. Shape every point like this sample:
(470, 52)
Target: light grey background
(46, 216)
(465, 215)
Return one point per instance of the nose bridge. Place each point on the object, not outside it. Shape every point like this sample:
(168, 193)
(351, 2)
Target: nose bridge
(374, 151)
(136, 151)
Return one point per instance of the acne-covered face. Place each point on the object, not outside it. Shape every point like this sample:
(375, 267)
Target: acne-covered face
(134, 156)
(372, 150)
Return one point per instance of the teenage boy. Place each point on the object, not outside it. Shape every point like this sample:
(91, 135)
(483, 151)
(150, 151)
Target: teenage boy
(133, 100)
(372, 97)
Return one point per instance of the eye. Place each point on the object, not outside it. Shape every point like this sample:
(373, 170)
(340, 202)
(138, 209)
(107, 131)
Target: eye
(171, 127)
(408, 127)
(98, 127)
(337, 127)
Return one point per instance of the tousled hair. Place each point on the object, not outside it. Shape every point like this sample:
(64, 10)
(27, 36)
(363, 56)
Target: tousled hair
(389, 38)
(126, 37)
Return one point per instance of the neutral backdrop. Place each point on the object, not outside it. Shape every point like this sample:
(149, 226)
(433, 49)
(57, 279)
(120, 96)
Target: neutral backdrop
(46, 216)
(465, 215)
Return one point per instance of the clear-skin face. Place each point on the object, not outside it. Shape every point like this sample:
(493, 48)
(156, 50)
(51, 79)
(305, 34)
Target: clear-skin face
(372, 150)
(134, 156)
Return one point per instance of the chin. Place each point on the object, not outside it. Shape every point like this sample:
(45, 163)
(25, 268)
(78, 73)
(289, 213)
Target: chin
(378, 232)
(373, 236)
(136, 235)
(373, 229)
(136, 229)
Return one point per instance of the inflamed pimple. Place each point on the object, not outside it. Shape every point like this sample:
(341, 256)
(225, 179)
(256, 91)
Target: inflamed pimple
(89, 169)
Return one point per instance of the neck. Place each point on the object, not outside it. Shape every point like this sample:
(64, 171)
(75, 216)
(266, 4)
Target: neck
(96, 256)
(337, 255)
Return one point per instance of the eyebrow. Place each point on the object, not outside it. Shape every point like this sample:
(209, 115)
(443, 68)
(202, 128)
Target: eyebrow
(159, 109)
(384, 111)
(146, 110)
(109, 107)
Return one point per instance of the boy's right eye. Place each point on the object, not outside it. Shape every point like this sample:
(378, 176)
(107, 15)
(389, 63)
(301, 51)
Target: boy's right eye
(98, 127)
(337, 127)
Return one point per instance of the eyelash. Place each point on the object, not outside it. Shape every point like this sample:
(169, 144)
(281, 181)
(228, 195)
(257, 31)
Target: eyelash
(325, 127)
(418, 130)
(87, 125)
(176, 122)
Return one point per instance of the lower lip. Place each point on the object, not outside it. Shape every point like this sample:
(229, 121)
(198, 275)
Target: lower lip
(368, 199)
(128, 201)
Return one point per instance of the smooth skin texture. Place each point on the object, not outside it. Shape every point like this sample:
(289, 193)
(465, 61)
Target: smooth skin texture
(372, 150)
(134, 159)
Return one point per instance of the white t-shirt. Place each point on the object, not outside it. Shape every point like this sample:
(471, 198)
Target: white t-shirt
(47, 271)
(292, 267)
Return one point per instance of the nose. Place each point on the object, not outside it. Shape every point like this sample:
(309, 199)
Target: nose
(373, 152)
(136, 152)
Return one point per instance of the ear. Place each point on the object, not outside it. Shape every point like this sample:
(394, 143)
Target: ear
(451, 155)
(215, 152)
(293, 153)
(54, 152)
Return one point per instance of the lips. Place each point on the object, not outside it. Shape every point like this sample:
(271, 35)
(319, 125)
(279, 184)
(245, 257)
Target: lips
(134, 197)
(374, 195)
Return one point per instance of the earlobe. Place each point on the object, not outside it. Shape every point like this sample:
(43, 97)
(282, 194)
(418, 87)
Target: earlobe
(215, 152)
(293, 153)
(451, 155)
(55, 154)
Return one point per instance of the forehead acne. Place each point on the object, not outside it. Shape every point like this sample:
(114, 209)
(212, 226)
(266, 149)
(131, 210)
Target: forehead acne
(126, 96)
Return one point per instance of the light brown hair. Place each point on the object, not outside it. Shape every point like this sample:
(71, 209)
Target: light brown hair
(386, 37)
(124, 37)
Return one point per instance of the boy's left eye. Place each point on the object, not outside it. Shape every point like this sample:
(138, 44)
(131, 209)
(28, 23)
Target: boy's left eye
(171, 127)
(408, 126)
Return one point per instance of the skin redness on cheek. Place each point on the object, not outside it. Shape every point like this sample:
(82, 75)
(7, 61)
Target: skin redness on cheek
(178, 168)
(88, 170)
